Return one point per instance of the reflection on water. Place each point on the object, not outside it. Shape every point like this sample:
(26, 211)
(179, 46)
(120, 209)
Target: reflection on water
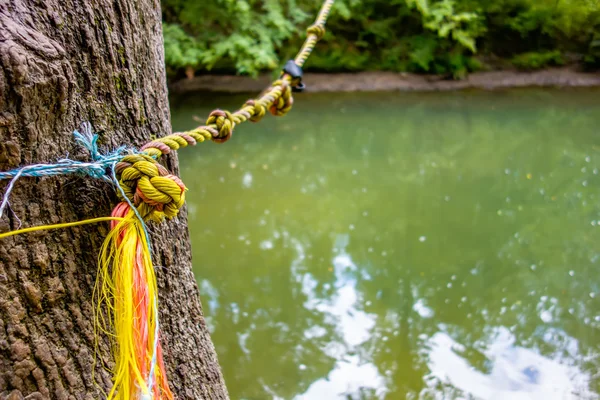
(402, 246)
(513, 373)
(350, 374)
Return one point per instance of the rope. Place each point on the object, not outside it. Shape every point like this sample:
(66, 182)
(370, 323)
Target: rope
(96, 169)
(149, 186)
(154, 360)
(127, 288)
(315, 32)
(58, 226)
(277, 99)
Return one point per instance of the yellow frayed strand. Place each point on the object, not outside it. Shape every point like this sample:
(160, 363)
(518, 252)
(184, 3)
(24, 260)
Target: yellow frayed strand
(58, 226)
(126, 287)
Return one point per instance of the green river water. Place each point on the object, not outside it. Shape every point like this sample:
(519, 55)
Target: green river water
(402, 245)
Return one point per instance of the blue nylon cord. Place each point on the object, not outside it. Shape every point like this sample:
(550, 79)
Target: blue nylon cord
(97, 168)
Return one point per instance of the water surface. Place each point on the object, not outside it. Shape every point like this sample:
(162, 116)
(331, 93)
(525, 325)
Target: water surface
(402, 246)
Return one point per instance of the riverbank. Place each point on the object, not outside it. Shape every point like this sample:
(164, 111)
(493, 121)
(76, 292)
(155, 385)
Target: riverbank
(390, 81)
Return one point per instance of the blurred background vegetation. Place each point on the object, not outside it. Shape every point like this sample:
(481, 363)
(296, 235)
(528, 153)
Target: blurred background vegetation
(448, 37)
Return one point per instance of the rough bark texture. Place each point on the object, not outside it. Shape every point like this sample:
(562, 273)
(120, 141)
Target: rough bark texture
(64, 62)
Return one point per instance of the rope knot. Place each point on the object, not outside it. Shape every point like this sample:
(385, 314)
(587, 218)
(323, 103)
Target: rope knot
(224, 122)
(316, 29)
(258, 110)
(283, 103)
(150, 187)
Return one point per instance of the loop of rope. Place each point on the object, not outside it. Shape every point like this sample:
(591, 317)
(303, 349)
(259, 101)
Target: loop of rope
(282, 103)
(259, 110)
(152, 189)
(316, 29)
(224, 123)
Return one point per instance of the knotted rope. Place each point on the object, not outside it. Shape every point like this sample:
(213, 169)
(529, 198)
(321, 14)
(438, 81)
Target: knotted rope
(277, 99)
(149, 192)
(150, 187)
(157, 193)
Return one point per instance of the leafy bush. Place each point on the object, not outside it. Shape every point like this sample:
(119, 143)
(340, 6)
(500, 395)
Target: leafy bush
(592, 58)
(442, 18)
(230, 35)
(537, 60)
(430, 36)
(181, 49)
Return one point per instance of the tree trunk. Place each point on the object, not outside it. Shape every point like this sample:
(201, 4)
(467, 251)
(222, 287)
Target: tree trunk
(64, 62)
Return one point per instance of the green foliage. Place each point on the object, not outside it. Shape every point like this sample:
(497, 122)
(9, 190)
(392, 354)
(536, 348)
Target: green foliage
(537, 60)
(402, 35)
(430, 36)
(592, 58)
(232, 35)
(181, 49)
(442, 18)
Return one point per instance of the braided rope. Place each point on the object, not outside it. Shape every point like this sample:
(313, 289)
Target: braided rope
(154, 191)
(315, 32)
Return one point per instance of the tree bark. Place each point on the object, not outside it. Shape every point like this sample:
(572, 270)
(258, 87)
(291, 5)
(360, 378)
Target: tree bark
(64, 62)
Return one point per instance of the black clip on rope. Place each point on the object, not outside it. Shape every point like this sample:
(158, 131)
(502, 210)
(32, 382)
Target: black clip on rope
(295, 71)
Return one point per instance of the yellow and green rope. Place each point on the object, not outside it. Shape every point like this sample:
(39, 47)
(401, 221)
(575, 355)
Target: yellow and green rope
(277, 99)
